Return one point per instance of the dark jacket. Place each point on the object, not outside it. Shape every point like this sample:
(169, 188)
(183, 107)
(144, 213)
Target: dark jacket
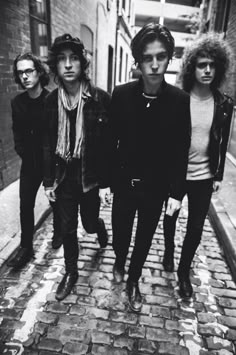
(219, 134)
(150, 143)
(94, 161)
(27, 126)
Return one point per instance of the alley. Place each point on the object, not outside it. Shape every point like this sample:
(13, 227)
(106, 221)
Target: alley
(95, 319)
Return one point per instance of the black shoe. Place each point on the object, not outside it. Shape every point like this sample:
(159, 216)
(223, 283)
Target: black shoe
(56, 241)
(168, 261)
(66, 285)
(134, 296)
(21, 258)
(102, 233)
(185, 287)
(118, 272)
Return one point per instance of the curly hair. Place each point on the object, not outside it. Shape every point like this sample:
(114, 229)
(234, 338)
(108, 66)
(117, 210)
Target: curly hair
(77, 49)
(149, 33)
(39, 66)
(212, 46)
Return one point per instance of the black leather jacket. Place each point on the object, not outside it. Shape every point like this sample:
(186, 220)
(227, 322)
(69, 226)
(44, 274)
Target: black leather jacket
(219, 134)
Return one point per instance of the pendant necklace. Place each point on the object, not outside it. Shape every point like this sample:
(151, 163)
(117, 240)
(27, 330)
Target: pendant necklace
(150, 98)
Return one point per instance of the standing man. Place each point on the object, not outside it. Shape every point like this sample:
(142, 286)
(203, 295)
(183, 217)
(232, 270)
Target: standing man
(76, 163)
(27, 115)
(150, 130)
(205, 65)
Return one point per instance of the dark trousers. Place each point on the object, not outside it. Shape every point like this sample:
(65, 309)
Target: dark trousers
(148, 204)
(29, 185)
(199, 196)
(69, 197)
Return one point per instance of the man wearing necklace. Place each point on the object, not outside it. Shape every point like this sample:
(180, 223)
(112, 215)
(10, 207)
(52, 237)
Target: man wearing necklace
(75, 151)
(150, 139)
(205, 64)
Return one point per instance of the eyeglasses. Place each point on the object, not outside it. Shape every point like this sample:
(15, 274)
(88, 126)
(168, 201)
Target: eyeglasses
(27, 72)
(203, 65)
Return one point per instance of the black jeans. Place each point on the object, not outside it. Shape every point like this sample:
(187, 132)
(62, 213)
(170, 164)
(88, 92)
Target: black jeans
(148, 204)
(69, 197)
(199, 194)
(29, 185)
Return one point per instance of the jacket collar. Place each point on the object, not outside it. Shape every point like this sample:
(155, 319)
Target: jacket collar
(219, 97)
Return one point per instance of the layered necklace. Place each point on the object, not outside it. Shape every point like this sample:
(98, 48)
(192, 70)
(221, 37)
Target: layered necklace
(149, 99)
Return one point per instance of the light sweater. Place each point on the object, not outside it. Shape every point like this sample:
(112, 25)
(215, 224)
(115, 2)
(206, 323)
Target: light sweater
(202, 111)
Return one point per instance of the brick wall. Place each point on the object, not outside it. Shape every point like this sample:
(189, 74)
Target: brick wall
(66, 16)
(14, 38)
(231, 84)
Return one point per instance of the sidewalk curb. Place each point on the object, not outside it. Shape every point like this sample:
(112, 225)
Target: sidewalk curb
(14, 243)
(225, 232)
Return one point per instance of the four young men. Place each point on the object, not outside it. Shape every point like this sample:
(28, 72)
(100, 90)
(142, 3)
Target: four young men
(137, 143)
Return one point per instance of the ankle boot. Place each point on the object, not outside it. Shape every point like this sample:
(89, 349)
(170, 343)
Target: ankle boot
(185, 287)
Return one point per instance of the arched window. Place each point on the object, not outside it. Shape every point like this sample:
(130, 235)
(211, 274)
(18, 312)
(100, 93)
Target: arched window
(87, 38)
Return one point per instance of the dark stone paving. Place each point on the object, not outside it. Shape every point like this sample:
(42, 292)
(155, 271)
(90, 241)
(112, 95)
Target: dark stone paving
(95, 318)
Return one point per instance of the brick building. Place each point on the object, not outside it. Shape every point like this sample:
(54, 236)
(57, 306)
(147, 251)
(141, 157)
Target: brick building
(104, 26)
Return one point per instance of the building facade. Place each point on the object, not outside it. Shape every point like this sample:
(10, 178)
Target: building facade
(220, 16)
(104, 26)
(181, 17)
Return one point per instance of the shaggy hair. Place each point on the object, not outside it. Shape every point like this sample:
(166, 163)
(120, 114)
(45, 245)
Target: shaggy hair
(38, 64)
(149, 33)
(211, 46)
(78, 50)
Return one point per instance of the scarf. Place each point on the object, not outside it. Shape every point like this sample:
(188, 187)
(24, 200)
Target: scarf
(64, 106)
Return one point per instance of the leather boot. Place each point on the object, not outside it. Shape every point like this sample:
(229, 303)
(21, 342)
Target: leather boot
(21, 258)
(102, 233)
(56, 241)
(134, 295)
(185, 287)
(65, 286)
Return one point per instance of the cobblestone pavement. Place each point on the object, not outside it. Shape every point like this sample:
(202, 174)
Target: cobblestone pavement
(95, 318)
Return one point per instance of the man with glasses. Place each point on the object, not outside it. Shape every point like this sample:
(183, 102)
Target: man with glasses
(205, 65)
(150, 132)
(76, 151)
(27, 114)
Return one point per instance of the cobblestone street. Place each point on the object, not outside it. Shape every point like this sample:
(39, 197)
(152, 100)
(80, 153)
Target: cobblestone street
(95, 318)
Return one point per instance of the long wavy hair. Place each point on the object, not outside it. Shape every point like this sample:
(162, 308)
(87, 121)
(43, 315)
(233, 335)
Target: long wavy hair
(39, 66)
(212, 46)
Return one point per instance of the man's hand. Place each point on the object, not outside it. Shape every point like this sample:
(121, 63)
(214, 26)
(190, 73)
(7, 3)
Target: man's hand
(216, 186)
(50, 193)
(172, 206)
(105, 196)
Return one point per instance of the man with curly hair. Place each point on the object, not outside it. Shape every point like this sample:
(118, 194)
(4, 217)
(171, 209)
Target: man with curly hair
(76, 151)
(150, 129)
(27, 115)
(205, 65)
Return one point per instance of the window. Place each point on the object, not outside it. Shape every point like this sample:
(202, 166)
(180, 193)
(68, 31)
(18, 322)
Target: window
(121, 64)
(39, 11)
(87, 39)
